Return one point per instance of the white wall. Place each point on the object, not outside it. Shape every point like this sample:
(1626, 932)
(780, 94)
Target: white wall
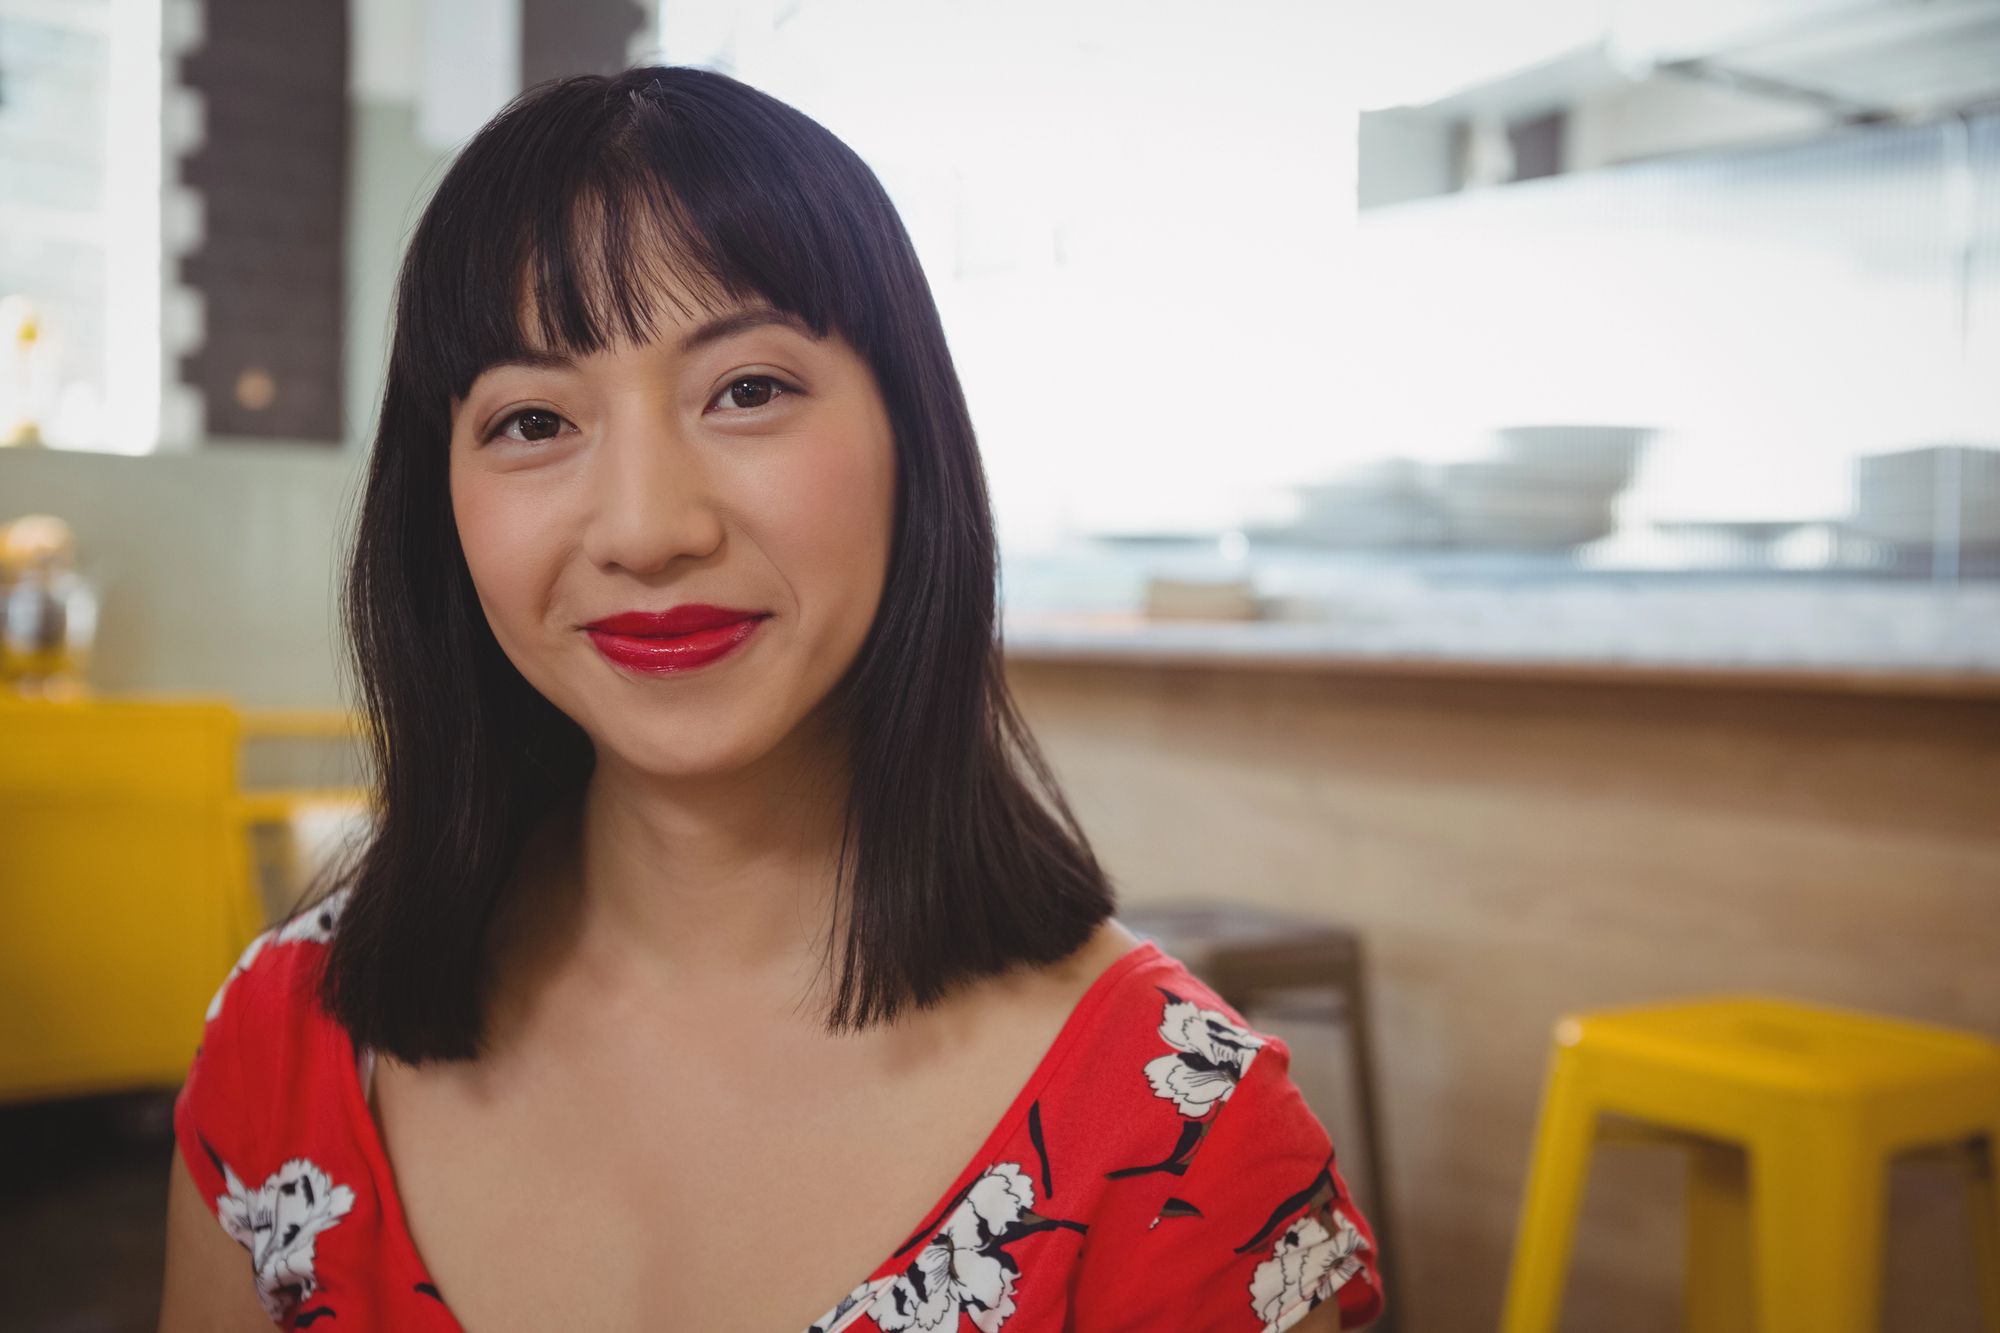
(1133, 216)
(391, 175)
(217, 568)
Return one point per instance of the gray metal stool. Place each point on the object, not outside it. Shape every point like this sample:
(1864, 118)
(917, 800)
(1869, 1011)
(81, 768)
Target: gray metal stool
(1281, 964)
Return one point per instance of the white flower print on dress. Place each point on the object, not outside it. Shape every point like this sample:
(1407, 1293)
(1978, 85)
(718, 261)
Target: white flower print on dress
(1308, 1264)
(1211, 1056)
(277, 1223)
(317, 925)
(963, 1267)
(850, 1307)
(249, 956)
(314, 927)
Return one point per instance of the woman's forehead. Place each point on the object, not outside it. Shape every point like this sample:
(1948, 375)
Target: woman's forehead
(622, 269)
(629, 268)
(684, 325)
(645, 304)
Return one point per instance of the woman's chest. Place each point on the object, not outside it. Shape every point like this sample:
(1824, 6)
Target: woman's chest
(733, 1192)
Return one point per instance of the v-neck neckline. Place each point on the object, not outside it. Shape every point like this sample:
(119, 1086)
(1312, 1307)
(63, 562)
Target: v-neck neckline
(376, 1151)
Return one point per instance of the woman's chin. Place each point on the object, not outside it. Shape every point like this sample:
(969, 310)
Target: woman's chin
(645, 751)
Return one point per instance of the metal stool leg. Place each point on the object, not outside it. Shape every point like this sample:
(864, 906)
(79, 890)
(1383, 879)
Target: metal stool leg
(1983, 1204)
(1719, 1291)
(1549, 1205)
(1361, 1061)
(1818, 1198)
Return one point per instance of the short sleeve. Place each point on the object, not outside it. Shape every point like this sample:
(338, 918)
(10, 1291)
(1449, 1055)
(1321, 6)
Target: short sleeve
(1257, 1232)
(275, 1135)
(214, 1120)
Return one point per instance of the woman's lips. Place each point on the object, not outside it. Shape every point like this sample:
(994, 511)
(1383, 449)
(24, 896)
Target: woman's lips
(660, 643)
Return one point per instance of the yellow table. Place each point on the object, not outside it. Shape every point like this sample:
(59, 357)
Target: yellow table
(126, 886)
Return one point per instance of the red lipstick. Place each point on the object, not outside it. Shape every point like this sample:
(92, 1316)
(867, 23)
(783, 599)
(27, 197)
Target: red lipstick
(661, 643)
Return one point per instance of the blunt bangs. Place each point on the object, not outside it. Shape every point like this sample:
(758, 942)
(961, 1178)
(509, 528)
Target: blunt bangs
(572, 223)
(607, 201)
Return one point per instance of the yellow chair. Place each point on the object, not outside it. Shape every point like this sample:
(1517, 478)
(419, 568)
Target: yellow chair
(1792, 1113)
(125, 886)
(274, 814)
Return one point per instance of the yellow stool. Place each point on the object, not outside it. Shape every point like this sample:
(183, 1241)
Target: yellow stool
(1785, 1235)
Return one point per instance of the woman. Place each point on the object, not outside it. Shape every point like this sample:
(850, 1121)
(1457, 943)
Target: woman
(724, 957)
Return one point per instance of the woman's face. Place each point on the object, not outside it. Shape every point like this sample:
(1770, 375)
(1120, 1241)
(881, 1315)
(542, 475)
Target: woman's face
(681, 544)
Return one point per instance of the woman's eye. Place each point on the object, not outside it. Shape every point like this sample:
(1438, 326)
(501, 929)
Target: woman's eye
(750, 391)
(533, 426)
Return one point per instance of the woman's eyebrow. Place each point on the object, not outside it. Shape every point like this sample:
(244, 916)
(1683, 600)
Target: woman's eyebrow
(536, 361)
(741, 321)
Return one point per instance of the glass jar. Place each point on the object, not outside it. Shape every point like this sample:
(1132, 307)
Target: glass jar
(48, 611)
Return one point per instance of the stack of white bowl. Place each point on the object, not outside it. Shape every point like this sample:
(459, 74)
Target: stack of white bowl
(1551, 487)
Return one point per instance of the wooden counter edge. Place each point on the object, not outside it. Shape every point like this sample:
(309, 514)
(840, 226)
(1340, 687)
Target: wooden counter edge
(1906, 684)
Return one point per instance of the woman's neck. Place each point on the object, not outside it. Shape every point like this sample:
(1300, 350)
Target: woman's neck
(731, 874)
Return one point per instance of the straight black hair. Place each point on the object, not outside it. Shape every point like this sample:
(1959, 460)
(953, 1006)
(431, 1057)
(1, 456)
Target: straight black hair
(961, 858)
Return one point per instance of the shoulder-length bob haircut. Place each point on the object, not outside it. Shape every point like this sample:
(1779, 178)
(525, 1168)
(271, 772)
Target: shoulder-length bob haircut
(961, 859)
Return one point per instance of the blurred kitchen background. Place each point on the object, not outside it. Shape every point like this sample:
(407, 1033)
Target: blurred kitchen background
(1515, 479)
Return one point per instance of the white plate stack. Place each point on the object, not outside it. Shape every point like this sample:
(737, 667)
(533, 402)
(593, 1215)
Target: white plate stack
(1388, 505)
(1910, 498)
(1551, 487)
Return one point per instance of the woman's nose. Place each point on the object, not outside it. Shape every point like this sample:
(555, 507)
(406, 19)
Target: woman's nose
(652, 501)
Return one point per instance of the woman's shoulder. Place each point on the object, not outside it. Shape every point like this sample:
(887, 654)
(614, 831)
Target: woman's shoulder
(272, 1068)
(1195, 1047)
(1212, 1166)
(274, 1127)
(1149, 1061)
(274, 982)
(1160, 1171)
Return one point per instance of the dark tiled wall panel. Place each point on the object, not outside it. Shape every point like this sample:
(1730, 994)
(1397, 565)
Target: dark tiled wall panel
(272, 172)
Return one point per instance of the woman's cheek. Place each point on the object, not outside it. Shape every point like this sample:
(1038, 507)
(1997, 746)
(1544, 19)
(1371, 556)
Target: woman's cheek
(840, 514)
(844, 496)
(504, 537)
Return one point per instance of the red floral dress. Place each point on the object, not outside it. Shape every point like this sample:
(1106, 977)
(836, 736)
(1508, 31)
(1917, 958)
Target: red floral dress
(1159, 1171)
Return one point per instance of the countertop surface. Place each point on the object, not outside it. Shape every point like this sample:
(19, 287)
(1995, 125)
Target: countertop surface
(1333, 648)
